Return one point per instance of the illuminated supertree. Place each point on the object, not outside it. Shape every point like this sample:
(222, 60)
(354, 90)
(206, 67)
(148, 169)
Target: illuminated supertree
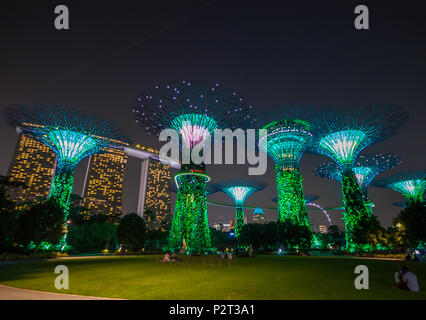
(288, 137)
(72, 135)
(194, 111)
(342, 136)
(239, 190)
(365, 168)
(410, 184)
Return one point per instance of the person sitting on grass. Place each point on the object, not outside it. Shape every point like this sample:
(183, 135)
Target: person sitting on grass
(166, 257)
(406, 280)
(174, 257)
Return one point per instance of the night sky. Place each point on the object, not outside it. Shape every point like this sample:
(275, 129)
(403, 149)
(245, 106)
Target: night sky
(273, 53)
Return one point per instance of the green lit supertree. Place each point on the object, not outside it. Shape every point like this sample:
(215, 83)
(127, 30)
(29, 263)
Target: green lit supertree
(410, 184)
(194, 112)
(365, 168)
(342, 136)
(239, 190)
(288, 137)
(71, 134)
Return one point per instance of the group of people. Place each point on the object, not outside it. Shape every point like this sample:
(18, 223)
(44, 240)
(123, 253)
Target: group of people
(170, 257)
(225, 256)
(406, 280)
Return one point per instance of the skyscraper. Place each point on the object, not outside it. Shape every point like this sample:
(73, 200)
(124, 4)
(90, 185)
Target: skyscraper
(103, 184)
(258, 216)
(157, 196)
(33, 164)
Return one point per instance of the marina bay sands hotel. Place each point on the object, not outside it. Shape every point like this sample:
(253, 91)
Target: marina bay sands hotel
(34, 163)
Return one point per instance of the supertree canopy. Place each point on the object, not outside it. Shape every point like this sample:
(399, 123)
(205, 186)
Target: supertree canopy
(411, 184)
(365, 169)
(342, 136)
(72, 135)
(194, 111)
(288, 137)
(239, 190)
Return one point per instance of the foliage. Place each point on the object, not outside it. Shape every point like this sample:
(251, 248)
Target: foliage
(356, 215)
(190, 221)
(272, 235)
(42, 222)
(291, 201)
(131, 232)
(92, 234)
(221, 240)
(411, 224)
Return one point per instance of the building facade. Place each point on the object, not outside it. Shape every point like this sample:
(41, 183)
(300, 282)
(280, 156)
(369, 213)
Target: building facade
(103, 185)
(33, 164)
(157, 195)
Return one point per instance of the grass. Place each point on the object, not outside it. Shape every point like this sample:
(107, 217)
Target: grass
(208, 277)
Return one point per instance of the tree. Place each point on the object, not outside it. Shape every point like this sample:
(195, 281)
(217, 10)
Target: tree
(220, 240)
(131, 231)
(42, 222)
(411, 224)
(92, 234)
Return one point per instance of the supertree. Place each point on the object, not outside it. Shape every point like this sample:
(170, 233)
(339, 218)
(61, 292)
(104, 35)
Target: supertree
(289, 135)
(71, 134)
(239, 190)
(365, 168)
(194, 111)
(342, 136)
(410, 184)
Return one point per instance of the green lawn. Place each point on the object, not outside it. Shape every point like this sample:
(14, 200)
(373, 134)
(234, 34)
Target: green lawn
(208, 277)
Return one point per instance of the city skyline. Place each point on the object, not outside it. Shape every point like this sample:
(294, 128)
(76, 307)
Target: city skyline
(273, 66)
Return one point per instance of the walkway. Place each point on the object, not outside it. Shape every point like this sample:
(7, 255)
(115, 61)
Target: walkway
(10, 293)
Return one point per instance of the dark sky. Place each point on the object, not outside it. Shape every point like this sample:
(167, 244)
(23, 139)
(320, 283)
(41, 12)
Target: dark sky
(272, 52)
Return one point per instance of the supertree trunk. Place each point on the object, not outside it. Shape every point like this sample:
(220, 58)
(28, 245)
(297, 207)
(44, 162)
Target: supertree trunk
(356, 213)
(239, 221)
(183, 201)
(62, 187)
(291, 201)
(190, 221)
(61, 191)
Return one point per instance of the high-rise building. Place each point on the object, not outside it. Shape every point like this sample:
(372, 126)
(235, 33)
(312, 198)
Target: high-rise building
(157, 194)
(103, 185)
(226, 227)
(323, 229)
(33, 164)
(258, 216)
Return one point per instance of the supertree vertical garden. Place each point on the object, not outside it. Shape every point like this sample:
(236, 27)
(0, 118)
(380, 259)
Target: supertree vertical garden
(342, 136)
(288, 137)
(239, 190)
(310, 202)
(71, 134)
(194, 112)
(365, 168)
(410, 184)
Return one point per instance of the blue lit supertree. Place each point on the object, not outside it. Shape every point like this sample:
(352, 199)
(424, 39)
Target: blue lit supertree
(71, 134)
(410, 184)
(289, 134)
(194, 111)
(239, 190)
(342, 136)
(365, 168)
